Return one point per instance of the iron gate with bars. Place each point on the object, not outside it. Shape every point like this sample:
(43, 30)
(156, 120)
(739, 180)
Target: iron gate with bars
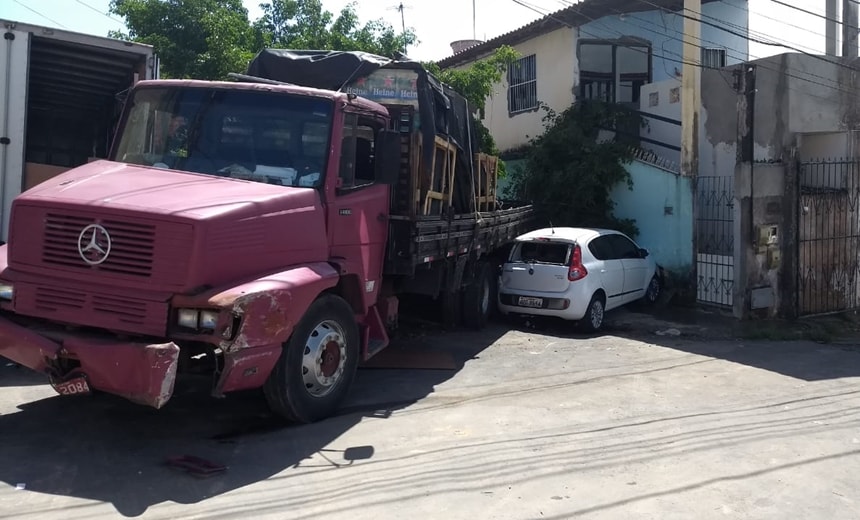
(715, 240)
(828, 255)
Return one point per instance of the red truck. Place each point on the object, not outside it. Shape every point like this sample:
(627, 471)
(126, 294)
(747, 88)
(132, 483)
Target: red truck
(258, 229)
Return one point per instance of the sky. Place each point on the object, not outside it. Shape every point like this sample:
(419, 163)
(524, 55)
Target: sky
(439, 22)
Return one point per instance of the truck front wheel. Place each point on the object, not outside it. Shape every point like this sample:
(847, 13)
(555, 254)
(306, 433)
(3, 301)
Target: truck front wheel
(317, 364)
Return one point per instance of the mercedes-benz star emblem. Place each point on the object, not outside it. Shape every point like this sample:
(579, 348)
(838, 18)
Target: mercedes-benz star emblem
(94, 244)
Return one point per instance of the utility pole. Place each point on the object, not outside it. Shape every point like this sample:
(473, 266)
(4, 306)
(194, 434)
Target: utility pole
(849, 28)
(474, 25)
(690, 89)
(831, 27)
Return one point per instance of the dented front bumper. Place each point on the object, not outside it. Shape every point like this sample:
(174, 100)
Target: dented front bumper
(140, 372)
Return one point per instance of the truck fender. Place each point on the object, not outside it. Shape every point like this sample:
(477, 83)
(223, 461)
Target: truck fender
(270, 307)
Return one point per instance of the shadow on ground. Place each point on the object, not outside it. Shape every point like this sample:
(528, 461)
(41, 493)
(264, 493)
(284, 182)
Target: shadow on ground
(717, 336)
(106, 449)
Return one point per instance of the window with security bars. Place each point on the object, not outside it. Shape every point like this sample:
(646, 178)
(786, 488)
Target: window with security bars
(522, 85)
(713, 58)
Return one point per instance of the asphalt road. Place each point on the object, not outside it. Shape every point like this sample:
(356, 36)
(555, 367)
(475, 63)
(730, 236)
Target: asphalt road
(542, 423)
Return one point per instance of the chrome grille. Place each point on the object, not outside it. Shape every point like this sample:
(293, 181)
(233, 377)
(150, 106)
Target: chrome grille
(132, 245)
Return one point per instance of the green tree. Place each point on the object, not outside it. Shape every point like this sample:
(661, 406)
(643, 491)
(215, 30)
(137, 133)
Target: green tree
(571, 168)
(208, 39)
(305, 24)
(203, 39)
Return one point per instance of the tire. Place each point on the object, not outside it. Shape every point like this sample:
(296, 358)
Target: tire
(479, 298)
(317, 364)
(593, 319)
(653, 291)
(451, 304)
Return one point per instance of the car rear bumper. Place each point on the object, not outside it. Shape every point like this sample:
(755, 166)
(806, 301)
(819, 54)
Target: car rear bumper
(560, 305)
(141, 372)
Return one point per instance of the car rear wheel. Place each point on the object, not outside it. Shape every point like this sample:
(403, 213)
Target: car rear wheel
(317, 364)
(653, 291)
(593, 319)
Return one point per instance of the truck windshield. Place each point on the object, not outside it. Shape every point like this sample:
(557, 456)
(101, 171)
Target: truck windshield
(260, 136)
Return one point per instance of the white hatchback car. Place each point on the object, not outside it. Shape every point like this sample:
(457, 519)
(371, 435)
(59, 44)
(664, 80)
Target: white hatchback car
(576, 274)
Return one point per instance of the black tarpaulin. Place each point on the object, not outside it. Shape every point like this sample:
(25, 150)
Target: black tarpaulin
(442, 110)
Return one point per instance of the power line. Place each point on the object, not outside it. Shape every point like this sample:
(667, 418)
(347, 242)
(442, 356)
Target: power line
(40, 14)
(683, 62)
(740, 56)
(802, 10)
(88, 6)
(699, 19)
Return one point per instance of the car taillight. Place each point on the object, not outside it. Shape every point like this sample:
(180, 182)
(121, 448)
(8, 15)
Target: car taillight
(577, 270)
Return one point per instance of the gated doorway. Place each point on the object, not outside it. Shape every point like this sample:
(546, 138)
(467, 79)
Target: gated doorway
(715, 240)
(828, 237)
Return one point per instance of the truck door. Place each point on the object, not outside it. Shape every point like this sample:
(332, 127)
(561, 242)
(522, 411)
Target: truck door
(358, 214)
(14, 72)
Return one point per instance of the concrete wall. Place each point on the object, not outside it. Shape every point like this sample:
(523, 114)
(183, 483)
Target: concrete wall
(555, 56)
(805, 107)
(661, 203)
(663, 99)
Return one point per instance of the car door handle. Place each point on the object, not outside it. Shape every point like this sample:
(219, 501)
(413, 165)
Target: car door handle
(603, 270)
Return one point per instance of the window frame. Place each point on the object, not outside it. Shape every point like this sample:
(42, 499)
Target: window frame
(352, 124)
(708, 53)
(613, 80)
(524, 84)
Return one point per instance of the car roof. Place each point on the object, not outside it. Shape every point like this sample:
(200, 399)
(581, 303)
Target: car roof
(565, 234)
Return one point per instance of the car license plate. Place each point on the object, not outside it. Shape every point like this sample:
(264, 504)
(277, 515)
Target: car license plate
(74, 386)
(526, 301)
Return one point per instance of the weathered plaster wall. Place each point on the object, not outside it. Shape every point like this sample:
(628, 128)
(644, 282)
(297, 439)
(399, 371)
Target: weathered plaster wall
(805, 106)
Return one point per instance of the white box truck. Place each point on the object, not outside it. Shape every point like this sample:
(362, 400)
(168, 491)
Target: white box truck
(60, 97)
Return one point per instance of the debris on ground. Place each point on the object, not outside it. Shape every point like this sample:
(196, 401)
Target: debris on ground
(668, 332)
(196, 466)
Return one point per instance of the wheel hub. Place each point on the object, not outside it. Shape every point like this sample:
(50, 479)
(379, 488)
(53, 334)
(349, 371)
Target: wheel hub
(324, 359)
(330, 359)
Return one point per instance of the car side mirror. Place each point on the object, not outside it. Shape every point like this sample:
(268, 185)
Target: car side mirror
(643, 253)
(388, 156)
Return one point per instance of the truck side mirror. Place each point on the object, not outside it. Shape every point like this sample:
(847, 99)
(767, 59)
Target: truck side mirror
(388, 156)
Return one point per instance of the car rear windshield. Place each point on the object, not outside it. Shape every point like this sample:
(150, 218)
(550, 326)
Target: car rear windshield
(555, 253)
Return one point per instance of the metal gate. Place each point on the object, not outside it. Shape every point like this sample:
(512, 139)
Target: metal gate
(715, 240)
(828, 237)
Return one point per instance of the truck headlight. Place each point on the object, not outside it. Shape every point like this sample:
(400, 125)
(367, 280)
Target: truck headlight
(6, 291)
(197, 319)
(208, 320)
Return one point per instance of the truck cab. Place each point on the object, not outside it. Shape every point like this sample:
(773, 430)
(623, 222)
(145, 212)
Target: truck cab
(238, 225)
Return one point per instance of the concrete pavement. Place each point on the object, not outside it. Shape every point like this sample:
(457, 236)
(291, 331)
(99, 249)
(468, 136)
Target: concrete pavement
(541, 423)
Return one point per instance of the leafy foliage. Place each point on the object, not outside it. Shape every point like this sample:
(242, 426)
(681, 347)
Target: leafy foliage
(204, 39)
(304, 24)
(570, 169)
(208, 39)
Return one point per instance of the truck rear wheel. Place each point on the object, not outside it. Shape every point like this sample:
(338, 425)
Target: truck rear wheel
(479, 298)
(317, 364)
